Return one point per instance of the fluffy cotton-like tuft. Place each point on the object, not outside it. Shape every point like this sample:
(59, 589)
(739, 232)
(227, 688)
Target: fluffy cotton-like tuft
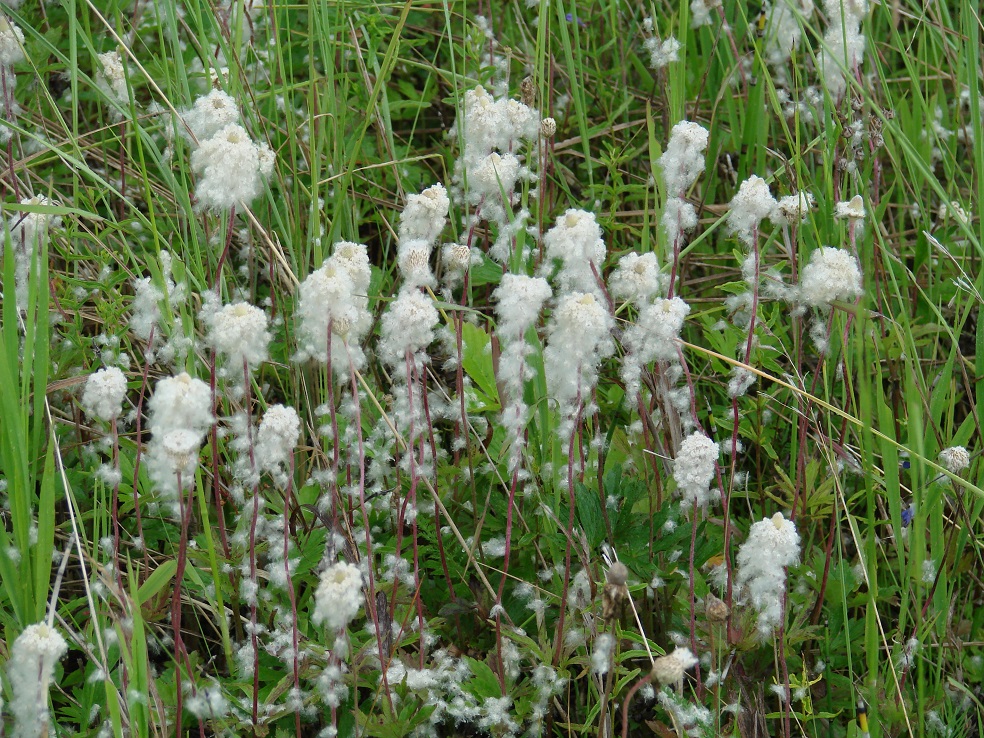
(575, 240)
(413, 259)
(653, 337)
(104, 393)
(636, 278)
(843, 44)
(407, 326)
(601, 655)
(579, 337)
(771, 546)
(277, 437)
(238, 332)
(30, 670)
(749, 207)
(693, 469)
(338, 598)
(784, 32)
(180, 402)
(425, 215)
(28, 237)
(683, 160)
(793, 209)
(853, 209)
(832, 274)
(493, 175)
(671, 668)
(353, 258)
(231, 168)
(662, 52)
(111, 77)
(11, 42)
(457, 259)
(210, 114)
(519, 299)
(179, 416)
(335, 296)
(700, 12)
(491, 124)
(955, 459)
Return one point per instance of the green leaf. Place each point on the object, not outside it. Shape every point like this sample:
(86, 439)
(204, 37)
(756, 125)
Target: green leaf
(476, 358)
(589, 514)
(484, 682)
(156, 581)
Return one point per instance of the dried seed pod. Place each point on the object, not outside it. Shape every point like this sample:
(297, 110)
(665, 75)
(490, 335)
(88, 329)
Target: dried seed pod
(613, 598)
(528, 89)
(617, 574)
(715, 609)
(670, 669)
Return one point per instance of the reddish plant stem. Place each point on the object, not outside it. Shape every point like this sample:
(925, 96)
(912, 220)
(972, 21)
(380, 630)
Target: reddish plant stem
(295, 639)
(693, 597)
(180, 652)
(570, 527)
(253, 581)
(217, 286)
(115, 503)
(628, 699)
(370, 596)
(217, 496)
(136, 461)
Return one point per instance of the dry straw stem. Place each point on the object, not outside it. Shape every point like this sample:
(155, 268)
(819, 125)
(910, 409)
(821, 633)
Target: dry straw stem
(957, 480)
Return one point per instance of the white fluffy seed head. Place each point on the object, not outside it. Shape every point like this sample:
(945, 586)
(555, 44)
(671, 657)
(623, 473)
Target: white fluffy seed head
(456, 257)
(693, 469)
(793, 209)
(670, 669)
(180, 402)
(413, 259)
(955, 459)
(852, 209)
(772, 545)
(493, 175)
(636, 278)
(576, 241)
(407, 326)
(832, 274)
(353, 258)
(111, 77)
(683, 160)
(579, 338)
(30, 670)
(338, 598)
(277, 436)
(238, 332)
(425, 215)
(210, 114)
(11, 42)
(181, 448)
(231, 168)
(519, 300)
(749, 207)
(104, 393)
(334, 298)
(662, 51)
